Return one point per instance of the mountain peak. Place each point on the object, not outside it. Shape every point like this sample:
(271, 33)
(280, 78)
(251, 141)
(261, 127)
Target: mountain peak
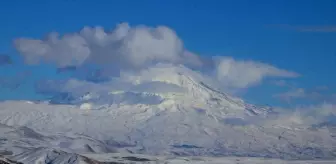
(163, 86)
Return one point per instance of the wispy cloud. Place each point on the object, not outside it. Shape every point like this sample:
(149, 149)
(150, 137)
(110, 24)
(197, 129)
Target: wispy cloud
(242, 74)
(318, 94)
(307, 28)
(307, 115)
(292, 94)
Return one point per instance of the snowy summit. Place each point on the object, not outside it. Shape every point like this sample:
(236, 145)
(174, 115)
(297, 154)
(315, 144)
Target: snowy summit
(155, 121)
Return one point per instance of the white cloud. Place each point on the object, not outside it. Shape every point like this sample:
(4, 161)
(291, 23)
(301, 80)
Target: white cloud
(315, 114)
(292, 94)
(326, 109)
(78, 87)
(71, 49)
(319, 93)
(124, 46)
(303, 115)
(242, 74)
(127, 47)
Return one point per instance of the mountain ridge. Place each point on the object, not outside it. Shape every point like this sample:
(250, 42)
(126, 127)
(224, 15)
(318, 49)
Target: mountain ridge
(162, 123)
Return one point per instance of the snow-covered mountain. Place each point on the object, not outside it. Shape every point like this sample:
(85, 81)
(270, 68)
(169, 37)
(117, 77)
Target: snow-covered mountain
(166, 110)
(165, 86)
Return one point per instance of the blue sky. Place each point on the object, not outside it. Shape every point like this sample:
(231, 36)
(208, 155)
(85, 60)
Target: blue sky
(299, 35)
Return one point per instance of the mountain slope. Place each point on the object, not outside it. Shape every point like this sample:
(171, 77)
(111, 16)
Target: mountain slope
(192, 119)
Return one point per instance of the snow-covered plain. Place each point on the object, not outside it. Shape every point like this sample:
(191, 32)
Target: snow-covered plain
(180, 118)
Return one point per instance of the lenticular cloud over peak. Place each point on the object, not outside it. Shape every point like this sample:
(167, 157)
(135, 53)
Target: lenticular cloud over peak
(124, 45)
